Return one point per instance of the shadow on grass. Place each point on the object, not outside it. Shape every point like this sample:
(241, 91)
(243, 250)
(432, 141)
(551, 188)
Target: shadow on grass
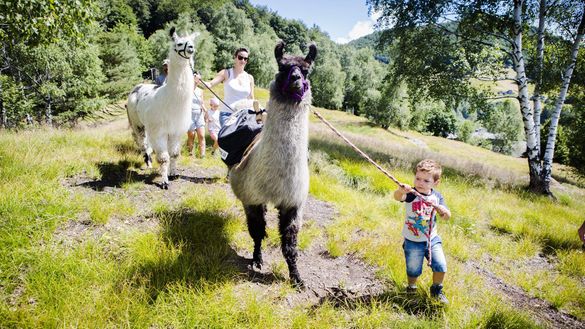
(204, 254)
(117, 174)
(551, 244)
(201, 180)
(127, 147)
(420, 305)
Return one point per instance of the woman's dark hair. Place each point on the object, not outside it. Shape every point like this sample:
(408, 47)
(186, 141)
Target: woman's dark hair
(239, 50)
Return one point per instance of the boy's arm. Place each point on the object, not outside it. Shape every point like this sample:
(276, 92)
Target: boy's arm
(400, 193)
(443, 211)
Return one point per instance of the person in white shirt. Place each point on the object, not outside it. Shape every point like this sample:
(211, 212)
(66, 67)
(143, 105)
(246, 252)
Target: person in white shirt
(237, 83)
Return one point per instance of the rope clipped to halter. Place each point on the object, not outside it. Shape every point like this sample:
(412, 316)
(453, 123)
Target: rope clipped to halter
(370, 160)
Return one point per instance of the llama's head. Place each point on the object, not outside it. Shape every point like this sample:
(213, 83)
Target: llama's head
(183, 47)
(291, 81)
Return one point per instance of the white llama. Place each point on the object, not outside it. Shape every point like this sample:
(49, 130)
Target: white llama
(276, 169)
(160, 115)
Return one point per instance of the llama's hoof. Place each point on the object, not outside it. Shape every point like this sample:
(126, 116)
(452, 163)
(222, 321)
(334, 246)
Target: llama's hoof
(148, 161)
(164, 186)
(298, 284)
(257, 264)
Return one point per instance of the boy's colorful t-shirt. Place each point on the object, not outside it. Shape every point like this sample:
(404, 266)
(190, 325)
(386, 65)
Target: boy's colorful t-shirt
(418, 215)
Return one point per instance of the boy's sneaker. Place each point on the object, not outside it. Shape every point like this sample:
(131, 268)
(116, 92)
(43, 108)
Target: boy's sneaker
(437, 293)
(411, 290)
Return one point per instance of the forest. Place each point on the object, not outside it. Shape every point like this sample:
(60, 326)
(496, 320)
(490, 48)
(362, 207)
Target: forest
(63, 61)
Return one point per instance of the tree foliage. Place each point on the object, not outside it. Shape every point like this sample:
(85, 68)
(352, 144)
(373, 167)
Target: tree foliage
(505, 121)
(444, 44)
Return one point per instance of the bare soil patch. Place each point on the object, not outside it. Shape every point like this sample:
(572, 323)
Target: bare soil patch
(325, 276)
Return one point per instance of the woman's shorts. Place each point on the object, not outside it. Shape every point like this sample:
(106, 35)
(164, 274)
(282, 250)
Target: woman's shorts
(416, 252)
(197, 120)
(223, 117)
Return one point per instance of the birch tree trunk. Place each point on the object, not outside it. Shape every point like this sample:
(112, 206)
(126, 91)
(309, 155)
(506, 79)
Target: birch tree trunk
(532, 150)
(554, 122)
(537, 97)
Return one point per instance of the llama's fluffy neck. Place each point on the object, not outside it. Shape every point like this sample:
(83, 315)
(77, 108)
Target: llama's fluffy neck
(180, 77)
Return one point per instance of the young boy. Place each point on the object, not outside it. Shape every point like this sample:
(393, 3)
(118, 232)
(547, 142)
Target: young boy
(416, 227)
(213, 122)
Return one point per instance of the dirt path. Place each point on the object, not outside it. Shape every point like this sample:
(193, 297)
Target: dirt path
(541, 311)
(323, 275)
(343, 280)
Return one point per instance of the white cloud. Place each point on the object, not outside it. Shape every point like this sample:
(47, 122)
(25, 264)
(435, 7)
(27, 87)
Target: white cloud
(360, 29)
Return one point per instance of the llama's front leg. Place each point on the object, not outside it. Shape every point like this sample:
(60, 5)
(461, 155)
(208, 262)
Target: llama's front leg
(290, 220)
(163, 160)
(174, 152)
(255, 216)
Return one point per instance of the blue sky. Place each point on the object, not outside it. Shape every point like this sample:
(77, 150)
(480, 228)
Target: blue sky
(343, 20)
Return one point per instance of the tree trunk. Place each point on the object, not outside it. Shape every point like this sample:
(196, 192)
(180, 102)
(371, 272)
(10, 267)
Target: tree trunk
(537, 97)
(3, 114)
(554, 122)
(48, 112)
(532, 150)
(48, 109)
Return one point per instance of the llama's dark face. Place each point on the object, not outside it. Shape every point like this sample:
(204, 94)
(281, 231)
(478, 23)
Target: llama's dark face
(183, 46)
(293, 71)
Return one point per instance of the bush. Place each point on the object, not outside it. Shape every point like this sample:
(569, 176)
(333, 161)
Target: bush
(576, 140)
(465, 130)
(441, 122)
(562, 151)
(504, 120)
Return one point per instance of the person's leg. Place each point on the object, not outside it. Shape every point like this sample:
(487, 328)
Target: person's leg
(201, 140)
(439, 267)
(414, 254)
(213, 136)
(438, 277)
(190, 140)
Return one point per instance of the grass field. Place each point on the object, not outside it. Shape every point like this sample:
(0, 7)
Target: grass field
(88, 242)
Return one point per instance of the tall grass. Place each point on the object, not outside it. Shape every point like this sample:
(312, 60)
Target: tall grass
(184, 272)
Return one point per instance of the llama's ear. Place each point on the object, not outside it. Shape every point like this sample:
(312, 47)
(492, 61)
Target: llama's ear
(279, 50)
(312, 53)
(173, 33)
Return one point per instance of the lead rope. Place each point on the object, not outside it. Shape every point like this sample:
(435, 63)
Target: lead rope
(370, 160)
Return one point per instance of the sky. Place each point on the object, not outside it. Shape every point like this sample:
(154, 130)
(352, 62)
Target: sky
(343, 20)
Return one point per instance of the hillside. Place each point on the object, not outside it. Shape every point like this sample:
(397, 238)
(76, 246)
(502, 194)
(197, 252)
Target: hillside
(90, 240)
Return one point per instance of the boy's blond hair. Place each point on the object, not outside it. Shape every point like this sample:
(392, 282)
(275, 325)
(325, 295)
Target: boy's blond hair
(430, 166)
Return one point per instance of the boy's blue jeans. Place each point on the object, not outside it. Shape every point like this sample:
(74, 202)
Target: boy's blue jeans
(416, 252)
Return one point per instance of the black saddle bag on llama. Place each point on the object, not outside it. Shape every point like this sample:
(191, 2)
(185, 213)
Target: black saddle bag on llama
(237, 134)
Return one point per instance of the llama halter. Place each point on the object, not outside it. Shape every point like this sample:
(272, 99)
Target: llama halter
(183, 52)
(297, 95)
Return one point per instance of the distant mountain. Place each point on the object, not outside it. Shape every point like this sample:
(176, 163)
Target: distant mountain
(368, 41)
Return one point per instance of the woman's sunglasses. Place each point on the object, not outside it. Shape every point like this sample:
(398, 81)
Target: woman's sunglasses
(245, 59)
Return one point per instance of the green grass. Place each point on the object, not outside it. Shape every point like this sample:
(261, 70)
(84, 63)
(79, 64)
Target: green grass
(177, 274)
